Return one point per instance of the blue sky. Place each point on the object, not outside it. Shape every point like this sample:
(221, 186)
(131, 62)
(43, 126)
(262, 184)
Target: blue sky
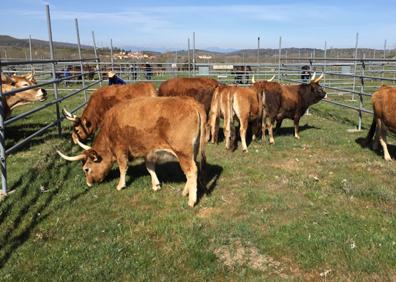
(224, 24)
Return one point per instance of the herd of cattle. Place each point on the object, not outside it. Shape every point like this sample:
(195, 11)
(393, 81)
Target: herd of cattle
(177, 120)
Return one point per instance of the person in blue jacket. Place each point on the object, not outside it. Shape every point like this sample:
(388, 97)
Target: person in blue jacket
(114, 79)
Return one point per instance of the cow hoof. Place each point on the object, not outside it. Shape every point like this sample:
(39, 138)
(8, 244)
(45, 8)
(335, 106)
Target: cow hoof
(389, 159)
(156, 187)
(191, 204)
(119, 188)
(272, 142)
(245, 151)
(297, 137)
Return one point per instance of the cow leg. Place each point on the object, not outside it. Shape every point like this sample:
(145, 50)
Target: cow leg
(150, 166)
(382, 140)
(227, 128)
(122, 161)
(242, 130)
(270, 132)
(296, 128)
(377, 135)
(214, 124)
(278, 124)
(191, 171)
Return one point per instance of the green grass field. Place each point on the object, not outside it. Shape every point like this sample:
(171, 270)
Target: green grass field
(319, 208)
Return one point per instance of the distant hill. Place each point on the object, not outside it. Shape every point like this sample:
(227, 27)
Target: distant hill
(6, 40)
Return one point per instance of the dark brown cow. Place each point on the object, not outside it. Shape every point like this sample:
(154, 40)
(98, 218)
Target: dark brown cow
(384, 105)
(287, 101)
(101, 101)
(199, 88)
(13, 82)
(152, 129)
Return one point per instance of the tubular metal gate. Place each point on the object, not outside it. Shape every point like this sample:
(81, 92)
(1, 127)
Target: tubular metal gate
(57, 100)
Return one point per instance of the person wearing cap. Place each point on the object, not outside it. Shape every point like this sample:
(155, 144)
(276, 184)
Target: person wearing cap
(114, 79)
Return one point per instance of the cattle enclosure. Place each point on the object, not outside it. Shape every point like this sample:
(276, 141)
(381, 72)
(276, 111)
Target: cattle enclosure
(312, 209)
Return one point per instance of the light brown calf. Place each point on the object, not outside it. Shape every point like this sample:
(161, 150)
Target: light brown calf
(384, 105)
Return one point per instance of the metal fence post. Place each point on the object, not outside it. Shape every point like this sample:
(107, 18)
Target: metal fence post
(361, 95)
(279, 58)
(111, 54)
(355, 65)
(258, 55)
(188, 57)
(80, 57)
(325, 62)
(30, 52)
(2, 142)
(97, 59)
(383, 65)
(193, 54)
(51, 46)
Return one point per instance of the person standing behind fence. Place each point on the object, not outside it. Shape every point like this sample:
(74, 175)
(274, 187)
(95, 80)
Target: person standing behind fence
(134, 72)
(114, 79)
(305, 74)
(67, 75)
(148, 71)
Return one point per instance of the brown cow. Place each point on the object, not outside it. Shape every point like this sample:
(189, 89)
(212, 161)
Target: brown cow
(199, 88)
(163, 132)
(101, 101)
(287, 101)
(384, 105)
(244, 102)
(10, 83)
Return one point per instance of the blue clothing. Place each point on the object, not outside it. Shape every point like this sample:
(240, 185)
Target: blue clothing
(116, 80)
(66, 73)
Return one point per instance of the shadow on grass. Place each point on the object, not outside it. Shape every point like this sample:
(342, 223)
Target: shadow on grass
(17, 133)
(171, 172)
(23, 210)
(363, 143)
(290, 130)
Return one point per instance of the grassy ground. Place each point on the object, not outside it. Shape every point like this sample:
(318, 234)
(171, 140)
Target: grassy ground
(312, 209)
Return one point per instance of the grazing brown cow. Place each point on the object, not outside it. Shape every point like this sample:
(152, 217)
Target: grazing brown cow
(287, 101)
(10, 83)
(199, 88)
(384, 105)
(152, 129)
(245, 102)
(100, 102)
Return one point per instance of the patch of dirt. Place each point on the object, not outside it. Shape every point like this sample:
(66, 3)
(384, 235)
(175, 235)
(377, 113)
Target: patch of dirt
(238, 254)
(207, 212)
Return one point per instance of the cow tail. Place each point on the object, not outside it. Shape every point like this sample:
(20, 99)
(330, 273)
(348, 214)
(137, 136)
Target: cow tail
(202, 141)
(371, 132)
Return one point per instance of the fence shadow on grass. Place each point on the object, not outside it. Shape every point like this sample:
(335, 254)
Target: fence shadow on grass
(363, 143)
(24, 209)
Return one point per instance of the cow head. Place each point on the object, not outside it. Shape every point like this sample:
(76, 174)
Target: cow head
(27, 96)
(82, 128)
(317, 92)
(95, 166)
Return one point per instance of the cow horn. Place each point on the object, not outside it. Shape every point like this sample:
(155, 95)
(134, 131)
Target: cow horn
(69, 116)
(319, 78)
(271, 79)
(313, 76)
(82, 145)
(253, 80)
(75, 158)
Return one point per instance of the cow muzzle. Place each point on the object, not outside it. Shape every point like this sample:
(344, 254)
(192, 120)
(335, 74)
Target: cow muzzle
(41, 95)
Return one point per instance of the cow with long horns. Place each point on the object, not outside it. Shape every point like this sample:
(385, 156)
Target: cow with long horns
(100, 102)
(163, 132)
(287, 101)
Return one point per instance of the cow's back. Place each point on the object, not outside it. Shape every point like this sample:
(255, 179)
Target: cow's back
(384, 105)
(199, 88)
(148, 123)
